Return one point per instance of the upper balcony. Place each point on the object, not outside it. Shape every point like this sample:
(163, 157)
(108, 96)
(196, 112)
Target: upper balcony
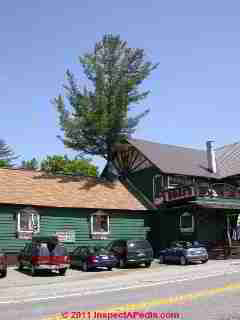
(216, 190)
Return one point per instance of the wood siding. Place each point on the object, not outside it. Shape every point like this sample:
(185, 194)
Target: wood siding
(123, 224)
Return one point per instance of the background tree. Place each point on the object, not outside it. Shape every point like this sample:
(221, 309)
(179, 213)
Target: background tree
(6, 155)
(98, 117)
(30, 164)
(62, 164)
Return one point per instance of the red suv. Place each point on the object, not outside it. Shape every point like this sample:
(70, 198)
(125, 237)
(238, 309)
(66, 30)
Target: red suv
(3, 264)
(44, 253)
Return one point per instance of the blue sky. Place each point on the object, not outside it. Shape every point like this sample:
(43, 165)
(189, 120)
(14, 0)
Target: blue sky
(194, 92)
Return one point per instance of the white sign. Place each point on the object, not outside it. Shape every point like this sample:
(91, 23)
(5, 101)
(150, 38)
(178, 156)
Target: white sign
(66, 236)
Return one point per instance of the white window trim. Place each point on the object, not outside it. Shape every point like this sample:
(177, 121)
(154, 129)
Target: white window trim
(99, 232)
(28, 231)
(190, 229)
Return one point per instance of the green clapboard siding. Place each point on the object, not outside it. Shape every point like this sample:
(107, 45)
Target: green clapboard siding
(123, 224)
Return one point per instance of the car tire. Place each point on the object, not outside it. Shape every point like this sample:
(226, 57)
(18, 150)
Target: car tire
(122, 263)
(161, 259)
(109, 268)
(62, 272)
(85, 267)
(204, 261)
(3, 273)
(148, 264)
(183, 261)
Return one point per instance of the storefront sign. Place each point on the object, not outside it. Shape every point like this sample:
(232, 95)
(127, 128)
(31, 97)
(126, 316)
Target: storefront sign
(66, 236)
(25, 235)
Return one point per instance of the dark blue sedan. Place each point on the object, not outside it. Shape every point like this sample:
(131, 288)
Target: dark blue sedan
(183, 252)
(87, 258)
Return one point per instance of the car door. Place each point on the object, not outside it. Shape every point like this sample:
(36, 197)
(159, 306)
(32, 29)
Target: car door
(171, 254)
(178, 254)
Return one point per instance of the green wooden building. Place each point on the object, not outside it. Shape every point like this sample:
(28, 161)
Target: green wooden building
(195, 194)
(79, 210)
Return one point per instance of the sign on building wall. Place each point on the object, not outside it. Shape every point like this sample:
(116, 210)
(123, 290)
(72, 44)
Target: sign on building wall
(66, 236)
(25, 235)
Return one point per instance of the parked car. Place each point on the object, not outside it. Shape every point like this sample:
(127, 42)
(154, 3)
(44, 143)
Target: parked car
(184, 252)
(3, 264)
(44, 253)
(132, 252)
(87, 258)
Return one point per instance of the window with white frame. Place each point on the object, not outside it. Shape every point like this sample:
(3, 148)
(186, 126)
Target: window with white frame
(28, 220)
(187, 222)
(100, 223)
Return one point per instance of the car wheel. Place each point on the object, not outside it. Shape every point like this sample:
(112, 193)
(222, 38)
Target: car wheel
(148, 264)
(122, 263)
(183, 261)
(33, 271)
(62, 272)
(85, 266)
(3, 273)
(204, 261)
(161, 259)
(109, 268)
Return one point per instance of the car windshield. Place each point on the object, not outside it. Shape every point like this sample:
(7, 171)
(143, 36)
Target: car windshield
(101, 250)
(140, 244)
(186, 244)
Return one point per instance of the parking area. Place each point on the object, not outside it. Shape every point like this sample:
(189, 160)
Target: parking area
(16, 278)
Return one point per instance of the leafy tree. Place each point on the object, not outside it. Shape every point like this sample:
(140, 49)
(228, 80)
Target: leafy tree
(5, 163)
(30, 164)
(6, 155)
(62, 164)
(97, 118)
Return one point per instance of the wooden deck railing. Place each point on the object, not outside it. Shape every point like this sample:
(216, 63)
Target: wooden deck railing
(221, 190)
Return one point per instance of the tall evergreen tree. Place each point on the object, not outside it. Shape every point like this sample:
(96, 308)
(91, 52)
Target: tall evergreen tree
(6, 154)
(98, 117)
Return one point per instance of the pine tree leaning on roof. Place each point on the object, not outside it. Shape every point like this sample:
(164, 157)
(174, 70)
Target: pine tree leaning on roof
(96, 119)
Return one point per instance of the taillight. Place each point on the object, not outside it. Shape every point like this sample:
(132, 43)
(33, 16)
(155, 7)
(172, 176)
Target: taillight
(93, 258)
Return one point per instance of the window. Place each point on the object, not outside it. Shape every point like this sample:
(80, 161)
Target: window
(28, 221)
(175, 181)
(100, 223)
(187, 222)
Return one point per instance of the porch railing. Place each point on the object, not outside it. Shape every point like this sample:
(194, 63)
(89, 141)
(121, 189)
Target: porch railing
(216, 190)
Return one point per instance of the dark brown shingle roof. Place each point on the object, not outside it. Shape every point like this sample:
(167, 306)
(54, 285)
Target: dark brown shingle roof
(187, 161)
(40, 189)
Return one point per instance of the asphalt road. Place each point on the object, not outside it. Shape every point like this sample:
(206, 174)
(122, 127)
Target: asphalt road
(208, 291)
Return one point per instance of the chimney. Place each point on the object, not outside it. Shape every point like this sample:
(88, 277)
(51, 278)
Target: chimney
(211, 157)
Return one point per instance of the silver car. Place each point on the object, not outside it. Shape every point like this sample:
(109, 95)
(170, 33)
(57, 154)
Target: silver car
(183, 252)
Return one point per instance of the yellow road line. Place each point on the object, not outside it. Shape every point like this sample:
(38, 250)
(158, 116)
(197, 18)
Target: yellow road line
(156, 302)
